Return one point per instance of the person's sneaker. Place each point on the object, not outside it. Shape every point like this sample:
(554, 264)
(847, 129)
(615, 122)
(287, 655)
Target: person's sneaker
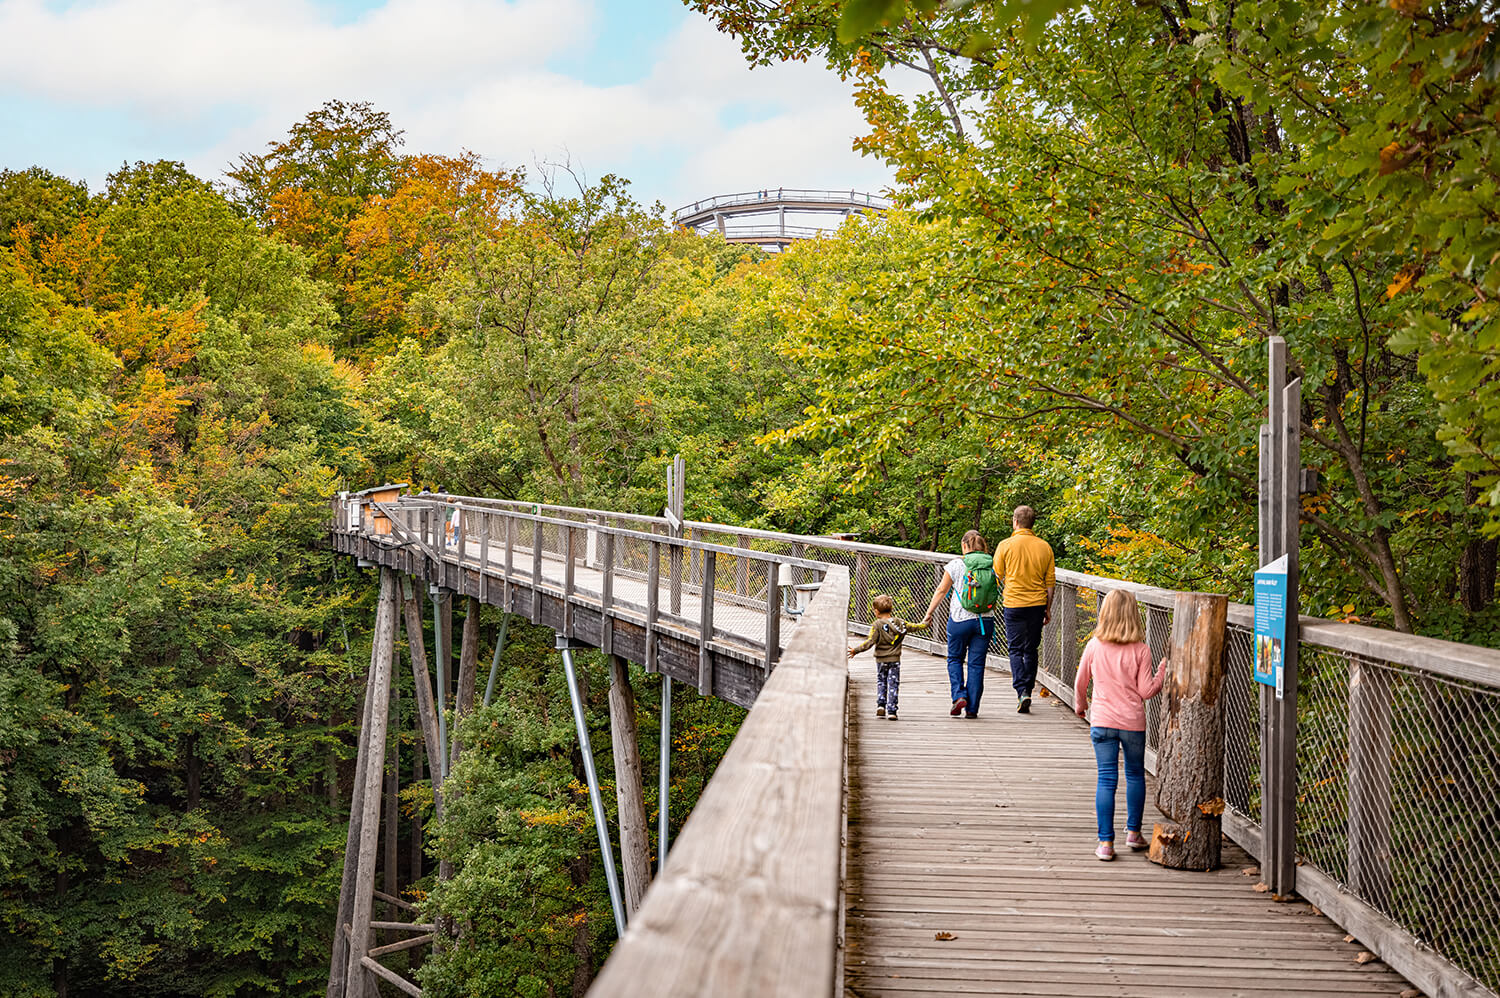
(891, 716)
(879, 711)
(970, 717)
(1106, 851)
(1024, 707)
(1136, 841)
(958, 706)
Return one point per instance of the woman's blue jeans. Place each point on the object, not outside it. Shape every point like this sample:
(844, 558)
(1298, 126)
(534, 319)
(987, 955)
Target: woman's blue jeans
(968, 641)
(1107, 745)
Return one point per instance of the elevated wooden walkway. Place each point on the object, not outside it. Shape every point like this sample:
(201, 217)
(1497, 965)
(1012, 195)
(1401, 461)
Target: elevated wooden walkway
(984, 829)
(831, 848)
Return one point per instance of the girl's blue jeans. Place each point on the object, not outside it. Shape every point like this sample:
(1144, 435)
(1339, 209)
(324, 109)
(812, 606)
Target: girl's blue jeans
(1107, 745)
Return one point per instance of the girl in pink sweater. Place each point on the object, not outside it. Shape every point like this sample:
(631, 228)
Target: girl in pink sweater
(1118, 661)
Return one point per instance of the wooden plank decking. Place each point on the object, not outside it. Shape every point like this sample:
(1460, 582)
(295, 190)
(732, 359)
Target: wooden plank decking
(985, 829)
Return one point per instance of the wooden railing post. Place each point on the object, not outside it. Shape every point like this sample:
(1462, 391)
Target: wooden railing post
(506, 593)
(1190, 759)
(862, 588)
(706, 627)
(653, 590)
(1369, 783)
(568, 577)
(607, 594)
(536, 571)
(773, 615)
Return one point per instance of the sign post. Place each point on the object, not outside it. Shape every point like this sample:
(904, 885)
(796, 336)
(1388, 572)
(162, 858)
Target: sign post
(1277, 607)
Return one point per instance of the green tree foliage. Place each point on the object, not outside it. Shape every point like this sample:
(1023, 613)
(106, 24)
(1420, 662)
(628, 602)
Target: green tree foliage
(1127, 220)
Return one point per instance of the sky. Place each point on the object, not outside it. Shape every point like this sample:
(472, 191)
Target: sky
(645, 89)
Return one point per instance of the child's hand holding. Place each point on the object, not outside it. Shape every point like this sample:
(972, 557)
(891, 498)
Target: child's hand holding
(851, 652)
(1082, 709)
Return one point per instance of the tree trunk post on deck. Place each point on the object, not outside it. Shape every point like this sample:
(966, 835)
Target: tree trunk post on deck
(635, 834)
(1190, 759)
(468, 667)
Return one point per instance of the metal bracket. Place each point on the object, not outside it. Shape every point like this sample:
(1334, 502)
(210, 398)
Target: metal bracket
(571, 644)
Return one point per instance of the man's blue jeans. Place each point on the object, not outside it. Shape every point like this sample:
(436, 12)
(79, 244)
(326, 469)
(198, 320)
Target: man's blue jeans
(1107, 745)
(968, 640)
(1023, 636)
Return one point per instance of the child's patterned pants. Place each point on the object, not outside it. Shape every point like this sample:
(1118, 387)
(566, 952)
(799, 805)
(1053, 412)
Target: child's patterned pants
(887, 685)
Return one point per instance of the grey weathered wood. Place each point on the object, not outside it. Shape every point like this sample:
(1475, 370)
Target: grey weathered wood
(404, 926)
(468, 670)
(536, 565)
(607, 593)
(422, 680)
(390, 871)
(404, 944)
(1369, 783)
(394, 901)
(773, 616)
(369, 832)
(510, 561)
(390, 976)
(1190, 753)
(635, 833)
(1280, 863)
(569, 580)
(484, 557)
(339, 966)
(740, 915)
(442, 656)
(653, 591)
(706, 626)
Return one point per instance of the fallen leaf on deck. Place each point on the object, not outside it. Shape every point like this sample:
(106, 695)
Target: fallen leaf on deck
(1348, 939)
(1250, 871)
(1411, 993)
(1261, 887)
(943, 937)
(1365, 956)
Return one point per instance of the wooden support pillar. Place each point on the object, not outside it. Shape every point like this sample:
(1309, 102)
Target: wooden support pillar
(339, 966)
(390, 880)
(422, 680)
(1190, 759)
(369, 831)
(635, 835)
(706, 630)
(468, 667)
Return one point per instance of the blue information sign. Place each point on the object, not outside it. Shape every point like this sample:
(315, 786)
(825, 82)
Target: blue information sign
(1270, 623)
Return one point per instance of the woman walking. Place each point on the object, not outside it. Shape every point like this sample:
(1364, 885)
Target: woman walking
(969, 631)
(1118, 661)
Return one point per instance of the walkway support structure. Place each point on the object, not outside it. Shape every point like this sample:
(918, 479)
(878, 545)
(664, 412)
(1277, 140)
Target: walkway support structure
(1398, 796)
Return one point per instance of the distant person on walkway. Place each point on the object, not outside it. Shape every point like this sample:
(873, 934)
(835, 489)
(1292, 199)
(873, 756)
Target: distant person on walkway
(1024, 566)
(1118, 661)
(886, 635)
(969, 583)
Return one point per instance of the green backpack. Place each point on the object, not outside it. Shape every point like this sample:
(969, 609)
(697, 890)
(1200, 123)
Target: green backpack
(978, 592)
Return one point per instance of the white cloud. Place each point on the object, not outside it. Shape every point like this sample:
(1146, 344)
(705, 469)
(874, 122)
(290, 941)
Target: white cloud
(185, 56)
(454, 74)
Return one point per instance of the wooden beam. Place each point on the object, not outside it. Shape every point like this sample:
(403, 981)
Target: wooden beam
(1190, 754)
(422, 679)
(635, 836)
(390, 976)
(468, 666)
(369, 831)
(404, 944)
(737, 915)
(339, 966)
(706, 625)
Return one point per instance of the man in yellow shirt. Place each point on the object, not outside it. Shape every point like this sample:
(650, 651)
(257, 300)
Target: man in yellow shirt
(1025, 567)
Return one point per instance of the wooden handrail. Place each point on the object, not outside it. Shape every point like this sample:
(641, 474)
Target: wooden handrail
(748, 903)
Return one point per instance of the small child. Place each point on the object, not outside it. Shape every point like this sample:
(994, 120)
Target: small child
(886, 634)
(1118, 661)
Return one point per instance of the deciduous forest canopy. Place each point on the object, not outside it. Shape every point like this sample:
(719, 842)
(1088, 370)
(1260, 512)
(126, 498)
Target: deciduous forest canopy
(1107, 212)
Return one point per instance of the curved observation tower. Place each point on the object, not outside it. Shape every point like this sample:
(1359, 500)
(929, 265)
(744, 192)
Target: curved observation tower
(760, 216)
